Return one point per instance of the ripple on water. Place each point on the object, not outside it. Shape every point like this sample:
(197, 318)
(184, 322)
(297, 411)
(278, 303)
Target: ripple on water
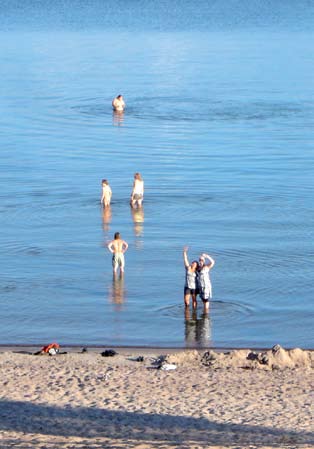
(218, 308)
(188, 109)
(18, 248)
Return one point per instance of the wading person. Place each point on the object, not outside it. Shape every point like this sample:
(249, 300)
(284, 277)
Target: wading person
(118, 104)
(118, 247)
(190, 288)
(203, 280)
(137, 194)
(106, 193)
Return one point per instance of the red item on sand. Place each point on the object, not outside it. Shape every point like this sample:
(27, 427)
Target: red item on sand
(50, 346)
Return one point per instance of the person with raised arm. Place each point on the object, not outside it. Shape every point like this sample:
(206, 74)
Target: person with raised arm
(190, 288)
(203, 279)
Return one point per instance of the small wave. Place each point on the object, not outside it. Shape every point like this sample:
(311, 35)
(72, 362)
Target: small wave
(93, 109)
(8, 288)
(20, 248)
(219, 308)
(193, 109)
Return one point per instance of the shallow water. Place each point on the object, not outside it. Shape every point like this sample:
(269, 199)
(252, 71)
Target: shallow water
(220, 124)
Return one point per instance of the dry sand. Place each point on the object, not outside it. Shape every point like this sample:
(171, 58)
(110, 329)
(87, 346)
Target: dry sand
(217, 400)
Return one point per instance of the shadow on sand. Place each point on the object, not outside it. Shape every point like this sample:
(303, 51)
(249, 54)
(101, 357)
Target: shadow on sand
(124, 427)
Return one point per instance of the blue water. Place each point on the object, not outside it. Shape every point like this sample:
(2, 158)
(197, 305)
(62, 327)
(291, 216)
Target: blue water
(219, 121)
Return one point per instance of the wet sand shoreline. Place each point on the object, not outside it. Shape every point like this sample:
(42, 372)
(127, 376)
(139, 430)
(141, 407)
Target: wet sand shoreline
(32, 348)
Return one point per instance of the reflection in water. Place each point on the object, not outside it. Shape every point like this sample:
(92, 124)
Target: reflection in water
(138, 228)
(117, 118)
(117, 291)
(106, 218)
(197, 330)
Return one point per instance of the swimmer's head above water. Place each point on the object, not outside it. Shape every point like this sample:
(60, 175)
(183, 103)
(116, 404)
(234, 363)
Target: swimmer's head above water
(118, 103)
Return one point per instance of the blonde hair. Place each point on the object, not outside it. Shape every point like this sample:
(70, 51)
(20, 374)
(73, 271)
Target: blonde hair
(138, 176)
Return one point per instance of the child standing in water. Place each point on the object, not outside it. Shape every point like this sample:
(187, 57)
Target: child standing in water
(106, 193)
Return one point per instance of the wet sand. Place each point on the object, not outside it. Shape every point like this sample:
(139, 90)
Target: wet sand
(235, 399)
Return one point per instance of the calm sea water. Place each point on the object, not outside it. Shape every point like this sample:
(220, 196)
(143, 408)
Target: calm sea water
(219, 121)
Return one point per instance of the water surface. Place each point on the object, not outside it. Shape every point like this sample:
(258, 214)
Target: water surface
(219, 121)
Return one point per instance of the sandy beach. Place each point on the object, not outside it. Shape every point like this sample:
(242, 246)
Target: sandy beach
(238, 399)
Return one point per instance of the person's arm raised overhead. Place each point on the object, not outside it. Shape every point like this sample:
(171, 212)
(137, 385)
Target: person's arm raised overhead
(211, 262)
(185, 257)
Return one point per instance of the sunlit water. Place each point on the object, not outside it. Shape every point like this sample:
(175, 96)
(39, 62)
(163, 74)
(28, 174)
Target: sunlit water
(220, 124)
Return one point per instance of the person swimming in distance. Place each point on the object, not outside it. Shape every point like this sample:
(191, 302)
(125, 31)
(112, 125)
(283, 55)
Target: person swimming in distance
(106, 193)
(137, 194)
(118, 104)
(203, 280)
(190, 287)
(118, 247)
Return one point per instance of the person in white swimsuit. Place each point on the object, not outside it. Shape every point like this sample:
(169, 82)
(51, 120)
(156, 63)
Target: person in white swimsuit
(137, 194)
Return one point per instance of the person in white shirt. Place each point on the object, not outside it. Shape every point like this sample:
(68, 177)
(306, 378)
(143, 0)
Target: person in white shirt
(203, 280)
(137, 194)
